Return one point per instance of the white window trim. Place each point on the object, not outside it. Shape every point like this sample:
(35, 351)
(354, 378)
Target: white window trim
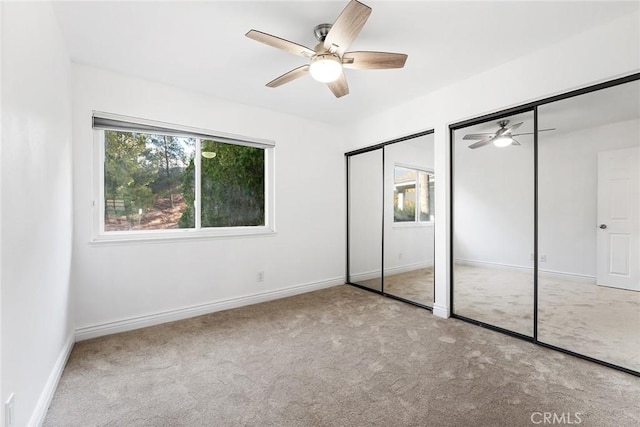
(416, 222)
(413, 224)
(99, 235)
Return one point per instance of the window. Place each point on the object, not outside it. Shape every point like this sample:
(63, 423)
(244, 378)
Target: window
(159, 180)
(413, 191)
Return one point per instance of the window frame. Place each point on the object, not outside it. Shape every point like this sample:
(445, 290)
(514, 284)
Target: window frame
(99, 235)
(417, 222)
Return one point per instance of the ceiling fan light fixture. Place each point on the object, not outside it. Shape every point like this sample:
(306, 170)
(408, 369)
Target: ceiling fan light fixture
(325, 68)
(502, 141)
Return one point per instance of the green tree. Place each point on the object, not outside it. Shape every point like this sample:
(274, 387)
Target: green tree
(232, 186)
(168, 154)
(187, 220)
(128, 173)
(408, 211)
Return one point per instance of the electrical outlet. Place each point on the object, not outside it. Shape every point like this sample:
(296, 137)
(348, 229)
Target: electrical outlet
(260, 276)
(543, 258)
(8, 412)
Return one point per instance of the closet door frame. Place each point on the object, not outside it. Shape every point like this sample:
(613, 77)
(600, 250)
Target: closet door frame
(348, 155)
(480, 120)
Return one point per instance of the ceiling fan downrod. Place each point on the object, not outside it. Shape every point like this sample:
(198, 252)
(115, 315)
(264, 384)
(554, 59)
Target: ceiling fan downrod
(503, 123)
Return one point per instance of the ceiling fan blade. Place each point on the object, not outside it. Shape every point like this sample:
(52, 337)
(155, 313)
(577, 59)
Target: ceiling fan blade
(478, 136)
(347, 27)
(291, 75)
(339, 87)
(373, 60)
(531, 133)
(514, 127)
(514, 142)
(480, 143)
(279, 43)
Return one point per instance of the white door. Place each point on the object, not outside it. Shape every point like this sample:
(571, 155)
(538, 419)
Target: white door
(618, 241)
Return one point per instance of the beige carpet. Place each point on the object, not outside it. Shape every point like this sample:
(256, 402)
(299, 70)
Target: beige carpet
(337, 357)
(600, 322)
(415, 285)
(495, 296)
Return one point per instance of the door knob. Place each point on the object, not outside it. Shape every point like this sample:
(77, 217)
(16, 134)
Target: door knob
(603, 226)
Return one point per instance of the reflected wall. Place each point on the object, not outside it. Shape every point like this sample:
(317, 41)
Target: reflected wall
(365, 219)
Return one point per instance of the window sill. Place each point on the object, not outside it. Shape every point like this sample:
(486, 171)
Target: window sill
(115, 237)
(409, 224)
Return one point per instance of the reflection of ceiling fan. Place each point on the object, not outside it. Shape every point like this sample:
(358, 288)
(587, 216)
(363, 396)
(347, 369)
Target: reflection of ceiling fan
(503, 137)
(329, 56)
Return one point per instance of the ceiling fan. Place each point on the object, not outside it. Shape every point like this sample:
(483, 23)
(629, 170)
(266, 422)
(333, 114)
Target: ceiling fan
(329, 56)
(503, 137)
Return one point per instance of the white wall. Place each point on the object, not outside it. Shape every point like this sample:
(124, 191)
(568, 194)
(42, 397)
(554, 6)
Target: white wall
(117, 282)
(36, 207)
(494, 201)
(602, 53)
(567, 194)
(1, 144)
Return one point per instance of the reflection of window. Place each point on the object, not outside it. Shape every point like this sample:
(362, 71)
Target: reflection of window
(158, 179)
(413, 191)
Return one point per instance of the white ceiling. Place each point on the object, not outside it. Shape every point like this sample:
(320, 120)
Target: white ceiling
(201, 45)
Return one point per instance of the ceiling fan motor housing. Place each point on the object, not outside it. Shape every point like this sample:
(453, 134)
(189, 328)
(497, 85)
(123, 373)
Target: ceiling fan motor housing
(321, 31)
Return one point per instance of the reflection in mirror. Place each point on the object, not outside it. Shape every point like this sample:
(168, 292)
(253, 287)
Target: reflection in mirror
(493, 222)
(365, 219)
(588, 219)
(409, 220)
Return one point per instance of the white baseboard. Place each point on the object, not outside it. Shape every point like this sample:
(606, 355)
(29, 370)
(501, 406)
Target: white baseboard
(368, 275)
(570, 276)
(138, 322)
(475, 263)
(408, 267)
(542, 272)
(375, 274)
(39, 413)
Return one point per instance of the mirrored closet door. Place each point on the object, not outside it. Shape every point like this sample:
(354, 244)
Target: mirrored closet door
(409, 220)
(493, 222)
(391, 218)
(546, 222)
(365, 219)
(589, 225)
